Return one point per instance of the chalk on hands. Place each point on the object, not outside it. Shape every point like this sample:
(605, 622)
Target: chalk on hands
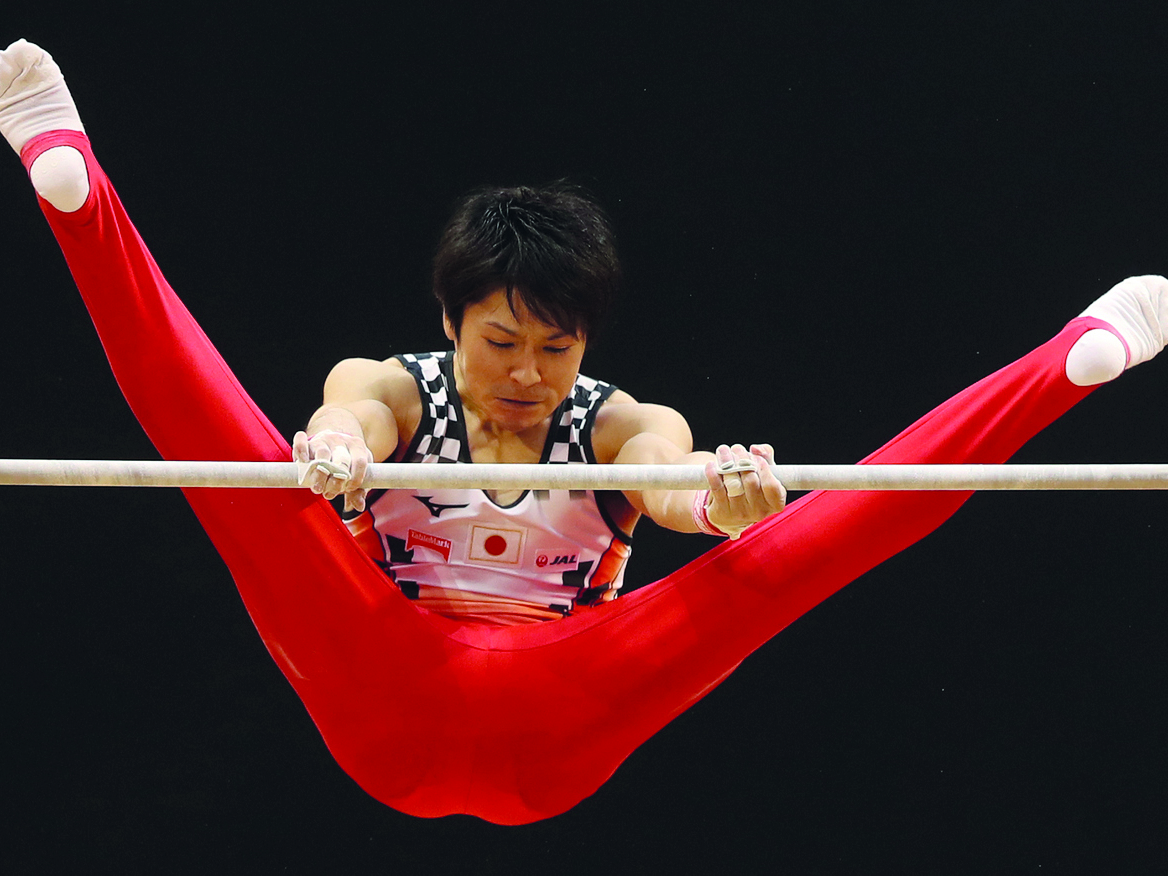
(304, 470)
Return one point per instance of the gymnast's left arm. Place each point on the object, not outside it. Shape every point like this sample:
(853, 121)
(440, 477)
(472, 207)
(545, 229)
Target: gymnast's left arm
(629, 432)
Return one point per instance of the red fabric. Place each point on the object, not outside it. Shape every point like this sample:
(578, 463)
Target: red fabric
(511, 724)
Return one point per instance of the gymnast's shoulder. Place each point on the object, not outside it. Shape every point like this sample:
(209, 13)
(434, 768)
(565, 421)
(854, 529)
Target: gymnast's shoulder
(383, 381)
(624, 423)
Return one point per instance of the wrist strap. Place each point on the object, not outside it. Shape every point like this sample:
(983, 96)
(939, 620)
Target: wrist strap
(701, 518)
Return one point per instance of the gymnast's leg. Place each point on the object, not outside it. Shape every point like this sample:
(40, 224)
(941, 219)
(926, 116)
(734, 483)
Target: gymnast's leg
(523, 722)
(372, 670)
(661, 648)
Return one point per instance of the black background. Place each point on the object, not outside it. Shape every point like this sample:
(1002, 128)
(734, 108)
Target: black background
(833, 216)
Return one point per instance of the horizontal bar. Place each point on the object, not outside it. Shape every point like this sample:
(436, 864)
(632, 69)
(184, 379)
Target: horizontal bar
(151, 473)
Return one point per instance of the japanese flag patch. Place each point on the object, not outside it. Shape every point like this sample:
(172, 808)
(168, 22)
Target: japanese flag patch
(494, 544)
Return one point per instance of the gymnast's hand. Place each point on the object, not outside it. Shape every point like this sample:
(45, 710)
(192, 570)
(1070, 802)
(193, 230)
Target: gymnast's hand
(740, 498)
(338, 464)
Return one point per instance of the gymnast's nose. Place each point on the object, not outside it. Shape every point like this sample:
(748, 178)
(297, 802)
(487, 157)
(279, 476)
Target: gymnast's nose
(525, 370)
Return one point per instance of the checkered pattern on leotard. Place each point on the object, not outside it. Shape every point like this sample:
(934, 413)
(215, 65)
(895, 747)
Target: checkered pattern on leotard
(567, 438)
(441, 435)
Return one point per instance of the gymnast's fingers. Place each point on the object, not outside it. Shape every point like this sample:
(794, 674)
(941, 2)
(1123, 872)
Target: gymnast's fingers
(337, 483)
(715, 476)
(327, 466)
(748, 465)
(774, 494)
(755, 501)
(732, 480)
(317, 478)
(717, 488)
(362, 458)
(300, 447)
(355, 500)
(765, 451)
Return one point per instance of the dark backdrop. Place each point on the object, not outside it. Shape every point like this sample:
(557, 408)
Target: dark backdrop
(834, 215)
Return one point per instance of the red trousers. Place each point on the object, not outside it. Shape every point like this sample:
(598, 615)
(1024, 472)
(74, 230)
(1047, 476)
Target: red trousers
(511, 724)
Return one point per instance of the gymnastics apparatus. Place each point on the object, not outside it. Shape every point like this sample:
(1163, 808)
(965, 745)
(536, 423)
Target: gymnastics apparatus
(513, 724)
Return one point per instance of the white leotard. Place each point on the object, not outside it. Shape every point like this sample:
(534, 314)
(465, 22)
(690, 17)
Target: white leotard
(459, 552)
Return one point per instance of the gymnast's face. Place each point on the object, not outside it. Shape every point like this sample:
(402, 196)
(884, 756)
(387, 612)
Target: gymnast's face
(512, 370)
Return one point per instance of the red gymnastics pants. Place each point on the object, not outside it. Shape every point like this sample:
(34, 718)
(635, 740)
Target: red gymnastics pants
(512, 724)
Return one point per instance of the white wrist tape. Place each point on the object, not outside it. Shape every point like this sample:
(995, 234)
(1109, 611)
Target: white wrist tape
(305, 469)
(729, 472)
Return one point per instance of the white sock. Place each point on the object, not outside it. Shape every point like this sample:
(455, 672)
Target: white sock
(1137, 308)
(34, 98)
(1096, 357)
(60, 177)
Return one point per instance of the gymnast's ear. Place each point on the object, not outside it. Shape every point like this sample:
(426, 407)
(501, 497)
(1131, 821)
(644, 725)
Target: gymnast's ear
(448, 327)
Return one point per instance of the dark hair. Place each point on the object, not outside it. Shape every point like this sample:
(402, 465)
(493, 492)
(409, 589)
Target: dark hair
(552, 246)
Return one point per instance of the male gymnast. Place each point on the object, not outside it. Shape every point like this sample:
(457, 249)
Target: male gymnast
(435, 690)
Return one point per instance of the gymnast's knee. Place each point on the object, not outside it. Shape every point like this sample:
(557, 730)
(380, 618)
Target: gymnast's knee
(60, 177)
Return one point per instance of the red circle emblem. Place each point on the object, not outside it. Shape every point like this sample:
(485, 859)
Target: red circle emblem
(541, 560)
(495, 545)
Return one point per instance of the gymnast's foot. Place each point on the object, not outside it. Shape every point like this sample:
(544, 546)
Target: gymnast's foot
(1137, 309)
(33, 95)
(34, 99)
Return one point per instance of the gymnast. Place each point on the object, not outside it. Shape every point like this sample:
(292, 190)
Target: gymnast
(524, 276)
(462, 651)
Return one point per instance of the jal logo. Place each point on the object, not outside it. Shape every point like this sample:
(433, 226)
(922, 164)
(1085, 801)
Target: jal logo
(556, 562)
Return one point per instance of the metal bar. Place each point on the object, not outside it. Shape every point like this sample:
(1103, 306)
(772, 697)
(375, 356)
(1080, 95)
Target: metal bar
(118, 473)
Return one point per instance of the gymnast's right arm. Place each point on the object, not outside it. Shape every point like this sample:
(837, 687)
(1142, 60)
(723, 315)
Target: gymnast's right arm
(369, 407)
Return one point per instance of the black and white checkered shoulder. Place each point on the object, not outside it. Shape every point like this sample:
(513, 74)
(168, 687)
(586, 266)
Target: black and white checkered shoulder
(568, 441)
(440, 435)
